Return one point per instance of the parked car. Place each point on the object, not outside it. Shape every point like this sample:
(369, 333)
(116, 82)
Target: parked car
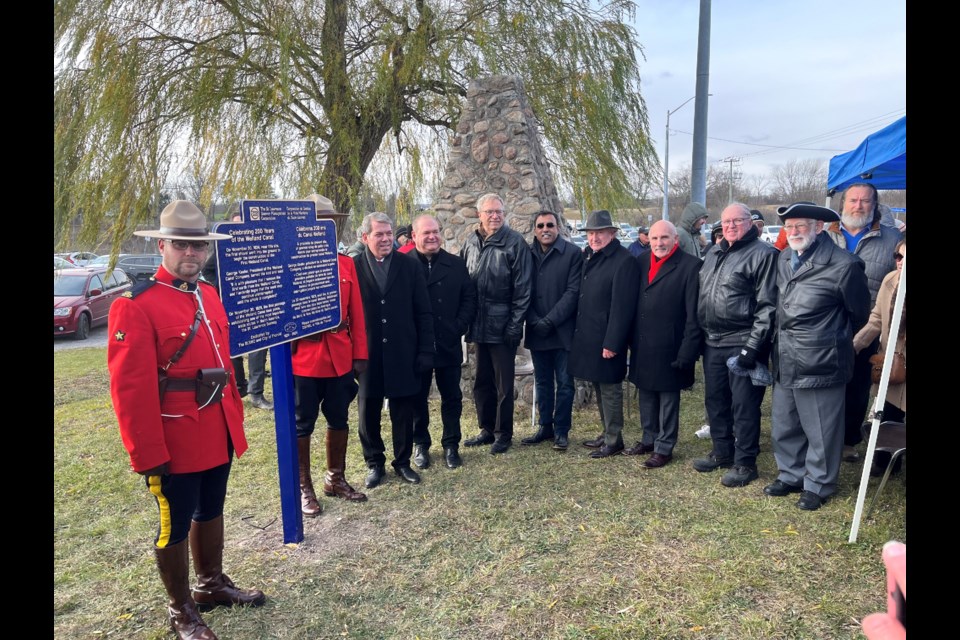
(62, 263)
(78, 258)
(580, 241)
(82, 298)
(770, 233)
(140, 266)
(103, 261)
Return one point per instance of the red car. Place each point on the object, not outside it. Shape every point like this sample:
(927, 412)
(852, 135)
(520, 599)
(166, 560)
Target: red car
(82, 298)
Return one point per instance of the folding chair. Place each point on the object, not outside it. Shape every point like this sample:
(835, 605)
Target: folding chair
(892, 438)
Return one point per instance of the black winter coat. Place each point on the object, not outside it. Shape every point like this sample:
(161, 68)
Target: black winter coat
(665, 327)
(819, 309)
(501, 269)
(608, 298)
(453, 300)
(556, 288)
(399, 327)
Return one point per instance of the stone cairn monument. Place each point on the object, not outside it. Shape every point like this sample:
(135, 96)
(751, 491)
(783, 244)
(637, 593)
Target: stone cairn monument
(496, 149)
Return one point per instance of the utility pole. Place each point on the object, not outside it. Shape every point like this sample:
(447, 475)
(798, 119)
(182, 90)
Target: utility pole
(730, 160)
(666, 161)
(698, 179)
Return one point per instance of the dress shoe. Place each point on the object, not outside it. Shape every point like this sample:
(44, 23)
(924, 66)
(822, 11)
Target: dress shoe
(809, 501)
(638, 449)
(560, 443)
(376, 476)
(778, 488)
(545, 432)
(452, 455)
(712, 463)
(482, 438)
(421, 456)
(850, 454)
(596, 443)
(739, 476)
(408, 474)
(656, 461)
(500, 445)
(257, 400)
(606, 451)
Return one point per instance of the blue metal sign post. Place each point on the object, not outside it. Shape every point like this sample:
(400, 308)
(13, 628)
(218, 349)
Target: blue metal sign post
(280, 281)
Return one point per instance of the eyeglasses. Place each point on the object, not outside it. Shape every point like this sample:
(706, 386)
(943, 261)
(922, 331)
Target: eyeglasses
(735, 221)
(197, 245)
(898, 257)
(548, 225)
(491, 212)
(800, 226)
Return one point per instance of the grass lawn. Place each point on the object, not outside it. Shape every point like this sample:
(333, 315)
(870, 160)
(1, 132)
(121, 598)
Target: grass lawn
(530, 544)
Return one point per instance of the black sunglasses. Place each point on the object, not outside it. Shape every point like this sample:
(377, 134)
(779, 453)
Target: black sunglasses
(548, 225)
(898, 256)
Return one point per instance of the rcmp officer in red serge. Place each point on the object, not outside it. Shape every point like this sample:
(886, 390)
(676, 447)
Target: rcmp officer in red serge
(324, 366)
(180, 414)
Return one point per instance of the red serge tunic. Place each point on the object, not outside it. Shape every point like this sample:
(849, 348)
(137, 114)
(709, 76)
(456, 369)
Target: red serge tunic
(330, 355)
(146, 328)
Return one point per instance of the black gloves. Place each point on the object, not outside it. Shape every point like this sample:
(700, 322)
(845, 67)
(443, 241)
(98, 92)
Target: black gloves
(160, 470)
(359, 366)
(747, 358)
(512, 340)
(543, 328)
(424, 362)
(681, 364)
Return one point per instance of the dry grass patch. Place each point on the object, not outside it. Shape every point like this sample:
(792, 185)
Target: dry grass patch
(530, 544)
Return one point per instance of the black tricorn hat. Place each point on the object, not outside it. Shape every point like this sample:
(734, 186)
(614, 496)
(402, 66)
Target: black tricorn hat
(809, 211)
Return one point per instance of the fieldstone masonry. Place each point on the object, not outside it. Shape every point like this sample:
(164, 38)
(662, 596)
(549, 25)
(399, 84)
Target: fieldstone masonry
(496, 149)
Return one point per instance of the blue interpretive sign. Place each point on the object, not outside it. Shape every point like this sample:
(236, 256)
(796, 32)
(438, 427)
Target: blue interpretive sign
(279, 277)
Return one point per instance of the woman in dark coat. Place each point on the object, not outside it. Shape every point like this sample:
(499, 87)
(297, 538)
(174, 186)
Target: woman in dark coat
(666, 341)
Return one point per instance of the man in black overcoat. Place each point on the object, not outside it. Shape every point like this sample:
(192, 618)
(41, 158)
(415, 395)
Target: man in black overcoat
(453, 300)
(400, 342)
(557, 268)
(608, 295)
(666, 341)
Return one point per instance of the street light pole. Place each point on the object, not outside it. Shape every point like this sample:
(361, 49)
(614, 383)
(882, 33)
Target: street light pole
(666, 161)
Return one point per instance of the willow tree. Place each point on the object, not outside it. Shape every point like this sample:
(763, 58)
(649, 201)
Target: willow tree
(305, 94)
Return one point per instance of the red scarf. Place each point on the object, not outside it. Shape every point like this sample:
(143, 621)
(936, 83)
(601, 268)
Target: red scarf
(656, 263)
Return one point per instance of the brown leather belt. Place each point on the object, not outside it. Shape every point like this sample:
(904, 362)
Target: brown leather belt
(318, 337)
(181, 384)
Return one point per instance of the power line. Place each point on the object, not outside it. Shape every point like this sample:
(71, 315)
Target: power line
(858, 127)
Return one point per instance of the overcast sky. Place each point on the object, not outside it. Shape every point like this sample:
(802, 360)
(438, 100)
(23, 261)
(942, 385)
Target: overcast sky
(813, 74)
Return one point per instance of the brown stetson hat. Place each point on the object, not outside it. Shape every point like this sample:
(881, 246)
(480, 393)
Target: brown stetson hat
(325, 207)
(182, 220)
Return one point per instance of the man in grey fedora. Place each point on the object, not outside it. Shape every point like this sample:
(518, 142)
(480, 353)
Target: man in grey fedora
(598, 354)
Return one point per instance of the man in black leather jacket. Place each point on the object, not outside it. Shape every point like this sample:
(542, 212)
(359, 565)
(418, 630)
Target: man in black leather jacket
(823, 299)
(736, 308)
(500, 265)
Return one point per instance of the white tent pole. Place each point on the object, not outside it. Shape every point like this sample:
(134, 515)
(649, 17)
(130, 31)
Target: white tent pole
(533, 408)
(881, 397)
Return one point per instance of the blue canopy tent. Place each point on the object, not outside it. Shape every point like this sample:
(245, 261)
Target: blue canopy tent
(881, 160)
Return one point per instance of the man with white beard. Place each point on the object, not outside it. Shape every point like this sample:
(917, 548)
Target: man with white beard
(859, 231)
(822, 300)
